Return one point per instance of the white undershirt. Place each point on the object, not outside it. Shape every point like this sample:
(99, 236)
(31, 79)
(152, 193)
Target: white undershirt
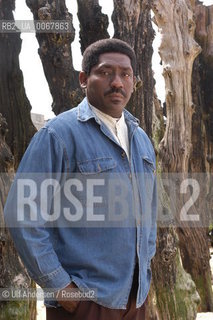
(117, 127)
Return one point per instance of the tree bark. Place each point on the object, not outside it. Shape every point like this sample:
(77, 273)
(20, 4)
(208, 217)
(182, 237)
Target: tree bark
(12, 273)
(56, 57)
(178, 51)
(14, 105)
(203, 93)
(93, 23)
(175, 294)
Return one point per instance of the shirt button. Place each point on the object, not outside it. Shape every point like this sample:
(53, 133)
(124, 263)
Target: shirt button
(123, 154)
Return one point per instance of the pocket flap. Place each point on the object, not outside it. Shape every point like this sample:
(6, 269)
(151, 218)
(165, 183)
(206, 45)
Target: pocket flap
(149, 163)
(96, 165)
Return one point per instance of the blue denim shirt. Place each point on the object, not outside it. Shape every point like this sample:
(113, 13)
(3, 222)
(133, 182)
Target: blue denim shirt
(104, 258)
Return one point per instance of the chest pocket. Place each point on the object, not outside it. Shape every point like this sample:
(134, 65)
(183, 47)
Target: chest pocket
(95, 166)
(148, 165)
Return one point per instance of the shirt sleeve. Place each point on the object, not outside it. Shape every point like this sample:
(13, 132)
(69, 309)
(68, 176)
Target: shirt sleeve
(45, 156)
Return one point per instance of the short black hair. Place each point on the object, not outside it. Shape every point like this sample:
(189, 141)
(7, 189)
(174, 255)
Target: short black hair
(94, 50)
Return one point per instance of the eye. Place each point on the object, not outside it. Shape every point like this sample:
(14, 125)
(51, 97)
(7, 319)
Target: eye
(105, 73)
(126, 75)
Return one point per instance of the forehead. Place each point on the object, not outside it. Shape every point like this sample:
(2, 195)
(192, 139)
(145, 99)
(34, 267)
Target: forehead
(115, 59)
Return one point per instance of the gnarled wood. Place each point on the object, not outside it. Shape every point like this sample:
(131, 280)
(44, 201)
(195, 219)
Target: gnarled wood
(175, 294)
(14, 105)
(12, 273)
(56, 56)
(178, 51)
(203, 81)
(93, 23)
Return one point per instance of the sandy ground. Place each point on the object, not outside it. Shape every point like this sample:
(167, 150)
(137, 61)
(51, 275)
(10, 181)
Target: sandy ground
(200, 316)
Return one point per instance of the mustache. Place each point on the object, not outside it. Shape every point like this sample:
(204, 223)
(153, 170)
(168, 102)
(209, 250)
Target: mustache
(114, 90)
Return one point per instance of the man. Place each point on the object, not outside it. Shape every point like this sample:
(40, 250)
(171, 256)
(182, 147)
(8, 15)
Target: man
(97, 139)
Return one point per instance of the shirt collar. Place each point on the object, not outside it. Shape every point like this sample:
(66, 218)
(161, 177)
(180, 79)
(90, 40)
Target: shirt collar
(105, 117)
(85, 113)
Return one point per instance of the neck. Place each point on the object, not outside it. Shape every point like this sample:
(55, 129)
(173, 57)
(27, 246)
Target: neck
(116, 114)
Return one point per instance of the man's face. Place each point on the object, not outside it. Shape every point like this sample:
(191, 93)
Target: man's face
(110, 83)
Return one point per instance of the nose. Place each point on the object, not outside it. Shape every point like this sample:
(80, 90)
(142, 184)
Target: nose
(116, 81)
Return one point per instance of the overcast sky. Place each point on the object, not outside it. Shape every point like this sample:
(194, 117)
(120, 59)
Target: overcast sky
(35, 82)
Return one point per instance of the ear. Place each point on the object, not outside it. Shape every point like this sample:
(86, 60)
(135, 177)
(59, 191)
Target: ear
(138, 83)
(83, 79)
(134, 83)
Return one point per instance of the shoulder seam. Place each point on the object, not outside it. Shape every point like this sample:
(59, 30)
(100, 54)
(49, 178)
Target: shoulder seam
(61, 142)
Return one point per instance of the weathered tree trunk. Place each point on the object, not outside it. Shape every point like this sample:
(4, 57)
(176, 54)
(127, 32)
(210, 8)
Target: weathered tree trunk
(132, 23)
(56, 56)
(55, 48)
(14, 104)
(203, 92)
(12, 273)
(15, 107)
(93, 23)
(175, 295)
(202, 155)
(178, 51)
